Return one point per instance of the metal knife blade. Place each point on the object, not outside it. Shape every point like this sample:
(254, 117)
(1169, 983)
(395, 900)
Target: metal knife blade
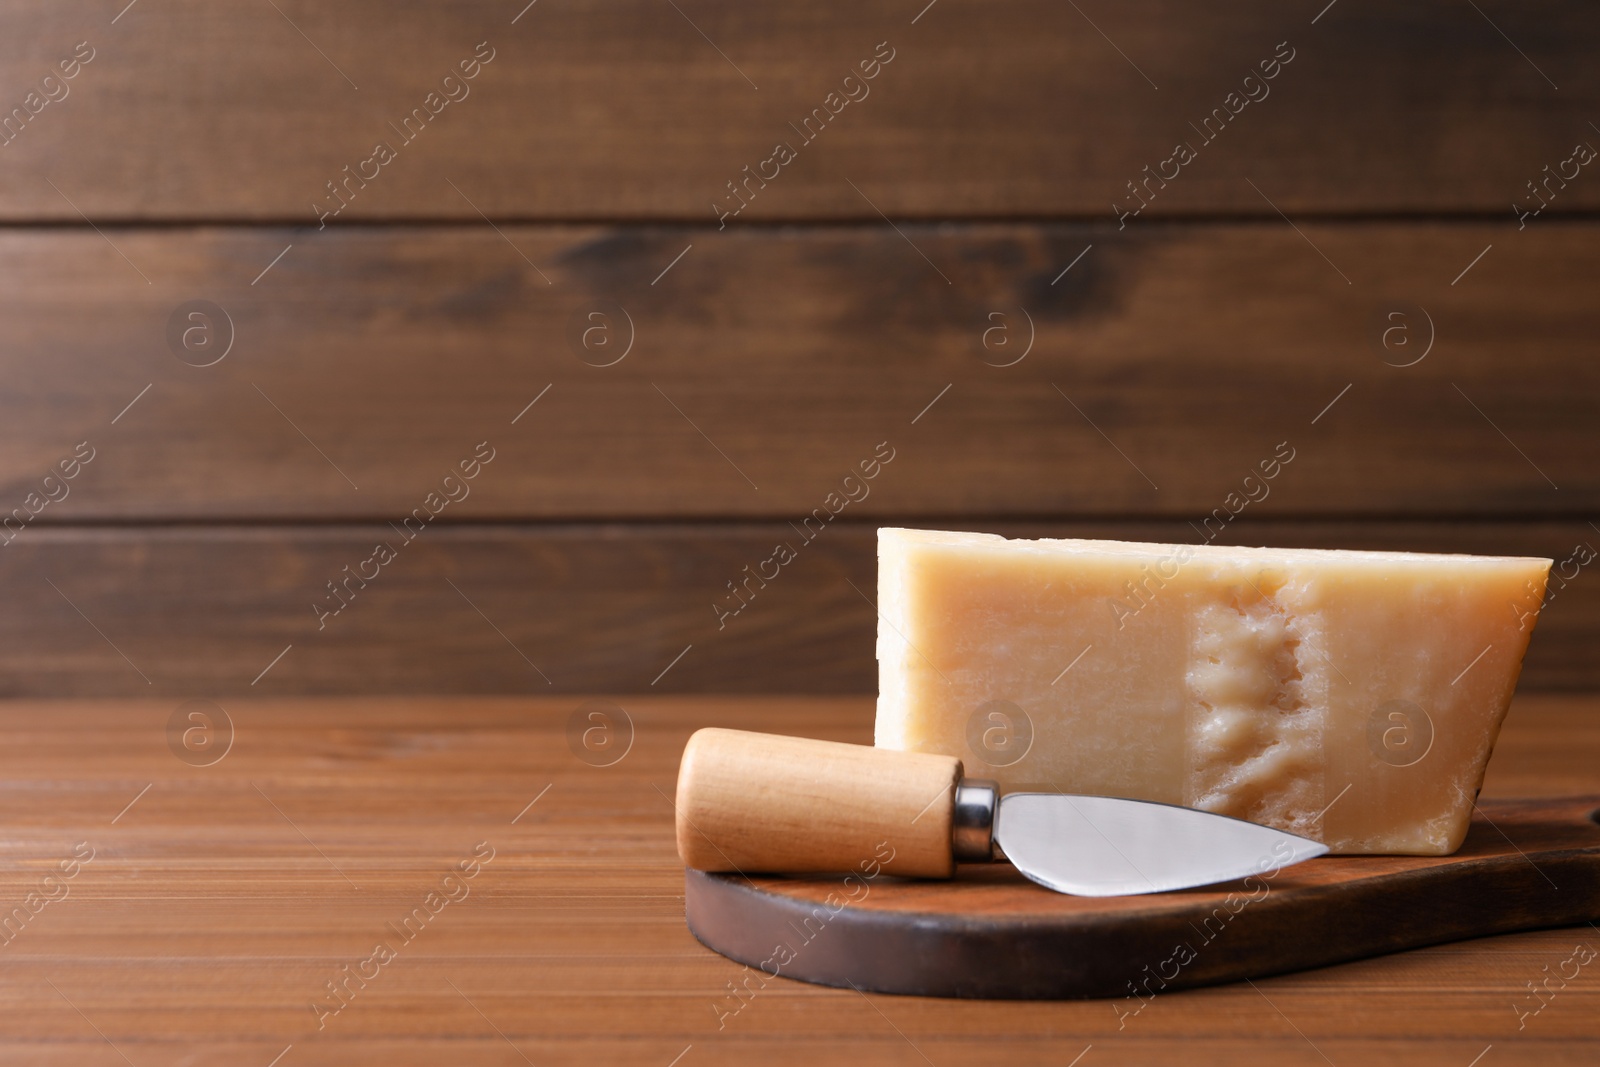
(1106, 846)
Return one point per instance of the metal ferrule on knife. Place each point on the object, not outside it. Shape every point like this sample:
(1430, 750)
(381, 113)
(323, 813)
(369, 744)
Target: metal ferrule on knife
(972, 822)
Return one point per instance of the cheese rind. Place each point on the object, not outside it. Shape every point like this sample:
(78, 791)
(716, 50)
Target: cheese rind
(1351, 697)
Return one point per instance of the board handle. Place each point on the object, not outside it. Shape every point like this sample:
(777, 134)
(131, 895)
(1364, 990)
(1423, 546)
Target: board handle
(751, 802)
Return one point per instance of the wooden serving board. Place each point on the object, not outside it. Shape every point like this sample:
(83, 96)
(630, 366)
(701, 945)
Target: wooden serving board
(991, 933)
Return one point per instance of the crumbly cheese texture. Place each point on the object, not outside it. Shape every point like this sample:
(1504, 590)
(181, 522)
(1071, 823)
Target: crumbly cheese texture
(1349, 697)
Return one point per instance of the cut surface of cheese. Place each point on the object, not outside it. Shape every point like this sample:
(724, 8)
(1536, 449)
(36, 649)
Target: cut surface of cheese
(1349, 697)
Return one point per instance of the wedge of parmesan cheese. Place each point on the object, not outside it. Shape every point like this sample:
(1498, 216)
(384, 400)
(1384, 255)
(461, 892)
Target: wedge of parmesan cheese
(1350, 697)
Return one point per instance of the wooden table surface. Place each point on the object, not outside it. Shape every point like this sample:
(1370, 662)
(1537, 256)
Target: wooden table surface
(221, 901)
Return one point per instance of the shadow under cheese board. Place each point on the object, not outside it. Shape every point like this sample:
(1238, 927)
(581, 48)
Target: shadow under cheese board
(990, 933)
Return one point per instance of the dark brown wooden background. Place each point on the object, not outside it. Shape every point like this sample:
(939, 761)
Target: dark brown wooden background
(876, 276)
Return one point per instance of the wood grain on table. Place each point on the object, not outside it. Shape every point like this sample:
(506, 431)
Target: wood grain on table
(221, 900)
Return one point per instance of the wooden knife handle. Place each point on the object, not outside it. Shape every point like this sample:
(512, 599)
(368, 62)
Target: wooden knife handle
(753, 802)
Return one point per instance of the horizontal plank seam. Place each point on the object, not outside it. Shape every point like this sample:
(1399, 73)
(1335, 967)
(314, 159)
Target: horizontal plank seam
(758, 521)
(786, 223)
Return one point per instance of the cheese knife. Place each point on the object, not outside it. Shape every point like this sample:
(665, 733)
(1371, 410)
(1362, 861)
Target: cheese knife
(750, 802)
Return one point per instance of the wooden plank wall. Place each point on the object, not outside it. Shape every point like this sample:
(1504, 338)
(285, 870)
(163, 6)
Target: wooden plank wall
(660, 278)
